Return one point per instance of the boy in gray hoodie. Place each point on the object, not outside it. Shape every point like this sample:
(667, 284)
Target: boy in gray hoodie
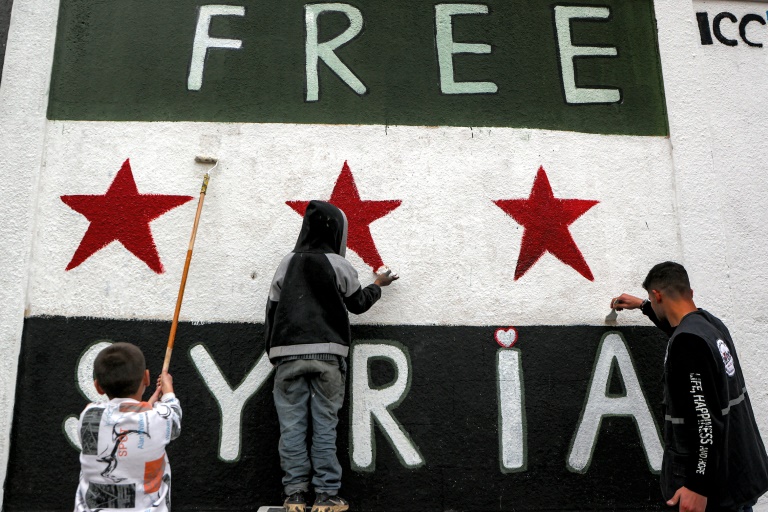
(307, 338)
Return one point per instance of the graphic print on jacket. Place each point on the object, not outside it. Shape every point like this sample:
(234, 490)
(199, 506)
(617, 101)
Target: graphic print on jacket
(313, 288)
(118, 440)
(123, 461)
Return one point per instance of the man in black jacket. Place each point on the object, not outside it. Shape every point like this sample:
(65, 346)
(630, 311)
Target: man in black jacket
(714, 458)
(307, 338)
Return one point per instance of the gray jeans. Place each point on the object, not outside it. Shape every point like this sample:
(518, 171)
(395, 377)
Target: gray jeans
(305, 386)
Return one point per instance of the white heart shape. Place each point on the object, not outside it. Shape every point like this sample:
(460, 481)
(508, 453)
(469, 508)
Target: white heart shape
(506, 337)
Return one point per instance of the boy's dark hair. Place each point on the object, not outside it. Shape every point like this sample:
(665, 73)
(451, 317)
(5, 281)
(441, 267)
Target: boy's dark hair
(668, 277)
(119, 369)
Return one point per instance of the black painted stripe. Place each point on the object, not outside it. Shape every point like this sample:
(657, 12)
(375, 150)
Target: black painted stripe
(450, 412)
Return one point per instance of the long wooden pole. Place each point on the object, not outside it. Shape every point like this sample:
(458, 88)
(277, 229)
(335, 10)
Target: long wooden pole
(175, 324)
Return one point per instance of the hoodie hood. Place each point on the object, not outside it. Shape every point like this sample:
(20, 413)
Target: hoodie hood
(324, 229)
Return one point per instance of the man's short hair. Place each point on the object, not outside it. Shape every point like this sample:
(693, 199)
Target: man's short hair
(119, 369)
(668, 277)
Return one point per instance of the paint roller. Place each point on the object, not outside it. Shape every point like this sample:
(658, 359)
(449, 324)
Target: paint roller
(201, 159)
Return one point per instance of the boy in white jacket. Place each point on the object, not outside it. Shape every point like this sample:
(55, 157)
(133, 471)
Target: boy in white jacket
(123, 462)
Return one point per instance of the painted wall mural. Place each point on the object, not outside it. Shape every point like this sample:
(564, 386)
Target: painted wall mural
(546, 220)
(738, 25)
(512, 161)
(360, 213)
(437, 418)
(122, 215)
(469, 414)
(528, 64)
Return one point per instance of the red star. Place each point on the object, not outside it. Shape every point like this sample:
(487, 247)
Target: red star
(359, 214)
(124, 215)
(545, 220)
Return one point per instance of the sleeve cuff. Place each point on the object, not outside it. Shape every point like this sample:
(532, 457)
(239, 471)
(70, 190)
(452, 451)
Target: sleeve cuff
(167, 397)
(698, 485)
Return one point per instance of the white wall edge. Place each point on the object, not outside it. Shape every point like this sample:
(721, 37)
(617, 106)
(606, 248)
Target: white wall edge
(23, 104)
(699, 203)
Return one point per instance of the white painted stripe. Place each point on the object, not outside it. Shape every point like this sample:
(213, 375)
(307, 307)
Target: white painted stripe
(455, 250)
(23, 101)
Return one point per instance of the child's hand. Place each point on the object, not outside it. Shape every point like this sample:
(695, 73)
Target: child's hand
(165, 382)
(384, 277)
(156, 395)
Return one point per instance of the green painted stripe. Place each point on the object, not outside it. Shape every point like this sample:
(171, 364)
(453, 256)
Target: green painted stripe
(5, 21)
(130, 61)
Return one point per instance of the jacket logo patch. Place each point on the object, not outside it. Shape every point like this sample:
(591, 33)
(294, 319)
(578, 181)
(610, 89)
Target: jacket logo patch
(730, 369)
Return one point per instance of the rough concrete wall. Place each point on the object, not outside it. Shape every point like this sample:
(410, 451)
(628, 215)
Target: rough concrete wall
(5, 20)
(730, 100)
(713, 94)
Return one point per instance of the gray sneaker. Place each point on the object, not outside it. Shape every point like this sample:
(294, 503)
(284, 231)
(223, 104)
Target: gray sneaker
(327, 503)
(296, 502)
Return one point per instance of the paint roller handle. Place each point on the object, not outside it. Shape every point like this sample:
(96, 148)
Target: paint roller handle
(182, 286)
